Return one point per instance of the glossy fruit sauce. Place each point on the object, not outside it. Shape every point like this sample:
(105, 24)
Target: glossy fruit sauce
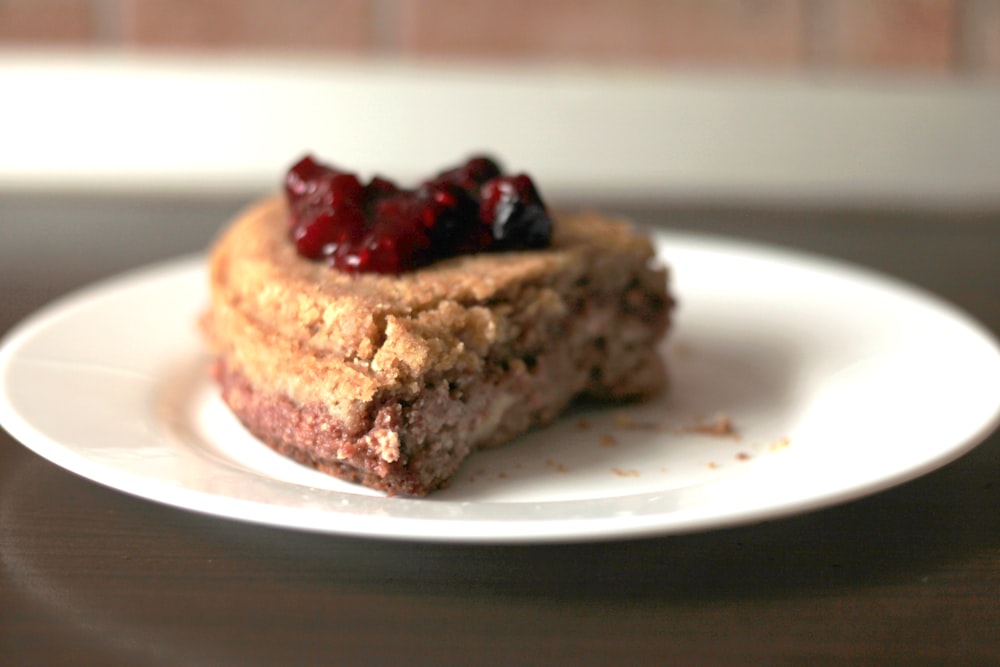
(379, 227)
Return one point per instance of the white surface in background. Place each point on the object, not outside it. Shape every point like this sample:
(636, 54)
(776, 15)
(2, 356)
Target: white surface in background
(124, 122)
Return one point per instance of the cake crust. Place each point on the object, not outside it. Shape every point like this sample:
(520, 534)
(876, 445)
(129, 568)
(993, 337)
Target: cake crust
(391, 381)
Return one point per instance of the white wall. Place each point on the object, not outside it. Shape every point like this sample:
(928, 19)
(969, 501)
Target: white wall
(110, 122)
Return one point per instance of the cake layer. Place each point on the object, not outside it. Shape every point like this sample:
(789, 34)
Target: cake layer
(393, 380)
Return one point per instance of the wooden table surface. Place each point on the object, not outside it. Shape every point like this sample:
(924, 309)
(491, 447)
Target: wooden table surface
(91, 576)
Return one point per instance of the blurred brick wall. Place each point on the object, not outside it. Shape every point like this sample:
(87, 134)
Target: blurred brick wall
(932, 36)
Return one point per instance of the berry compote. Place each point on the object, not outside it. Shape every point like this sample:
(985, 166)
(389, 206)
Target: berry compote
(381, 228)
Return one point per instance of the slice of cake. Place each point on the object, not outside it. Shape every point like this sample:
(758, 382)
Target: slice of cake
(392, 376)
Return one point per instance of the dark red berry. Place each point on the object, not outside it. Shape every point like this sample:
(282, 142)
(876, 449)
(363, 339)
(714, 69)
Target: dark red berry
(390, 247)
(379, 188)
(320, 235)
(450, 214)
(303, 173)
(379, 227)
(472, 174)
(512, 208)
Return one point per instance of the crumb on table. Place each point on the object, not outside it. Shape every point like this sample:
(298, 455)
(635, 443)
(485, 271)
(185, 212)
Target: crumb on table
(779, 444)
(625, 421)
(721, 426)
(558, 467)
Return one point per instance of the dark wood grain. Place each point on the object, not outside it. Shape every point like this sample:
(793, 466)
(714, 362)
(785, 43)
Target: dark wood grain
(89, 575)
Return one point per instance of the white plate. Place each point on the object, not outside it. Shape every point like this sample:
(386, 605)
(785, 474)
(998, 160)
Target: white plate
(838, 383)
